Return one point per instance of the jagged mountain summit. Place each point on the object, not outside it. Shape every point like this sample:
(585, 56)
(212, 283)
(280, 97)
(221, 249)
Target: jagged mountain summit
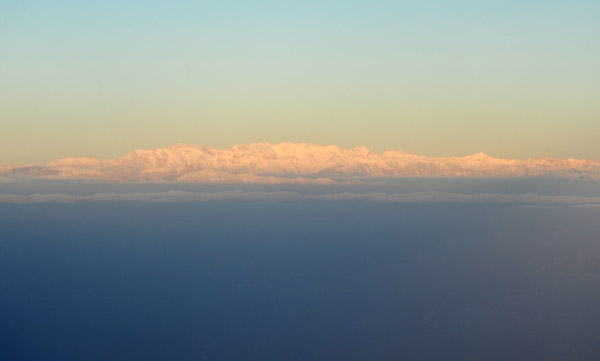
(291, 163)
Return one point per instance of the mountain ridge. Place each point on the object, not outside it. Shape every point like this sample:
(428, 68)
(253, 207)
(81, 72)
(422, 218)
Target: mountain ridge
(289, 162)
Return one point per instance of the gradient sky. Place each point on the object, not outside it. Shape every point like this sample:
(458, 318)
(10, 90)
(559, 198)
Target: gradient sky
(101, 78)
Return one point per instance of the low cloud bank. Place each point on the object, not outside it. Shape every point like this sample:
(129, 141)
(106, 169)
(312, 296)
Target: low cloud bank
(428, 197)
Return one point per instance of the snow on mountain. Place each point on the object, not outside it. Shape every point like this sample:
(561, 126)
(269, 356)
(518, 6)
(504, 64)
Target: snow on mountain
(292, 163)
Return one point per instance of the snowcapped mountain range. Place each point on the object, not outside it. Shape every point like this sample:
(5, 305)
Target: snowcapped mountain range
(291, 163)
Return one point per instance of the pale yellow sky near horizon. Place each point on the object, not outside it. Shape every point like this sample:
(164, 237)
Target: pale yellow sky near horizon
(101, 79)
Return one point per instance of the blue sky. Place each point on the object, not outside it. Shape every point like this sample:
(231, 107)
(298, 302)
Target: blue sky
(511, 78)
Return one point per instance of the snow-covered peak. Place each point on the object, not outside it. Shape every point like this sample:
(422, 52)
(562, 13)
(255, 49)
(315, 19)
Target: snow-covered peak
(479, 157)
(294, 162)
(84, 162)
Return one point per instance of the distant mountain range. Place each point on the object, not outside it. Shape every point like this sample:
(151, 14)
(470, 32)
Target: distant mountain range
(291, 163)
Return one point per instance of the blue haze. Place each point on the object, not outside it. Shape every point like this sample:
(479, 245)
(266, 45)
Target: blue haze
(298, 280)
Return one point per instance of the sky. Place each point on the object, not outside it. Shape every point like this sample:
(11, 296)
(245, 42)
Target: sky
(515, 79)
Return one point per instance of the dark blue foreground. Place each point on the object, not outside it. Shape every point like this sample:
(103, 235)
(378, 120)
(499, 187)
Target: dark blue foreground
(298, 281)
